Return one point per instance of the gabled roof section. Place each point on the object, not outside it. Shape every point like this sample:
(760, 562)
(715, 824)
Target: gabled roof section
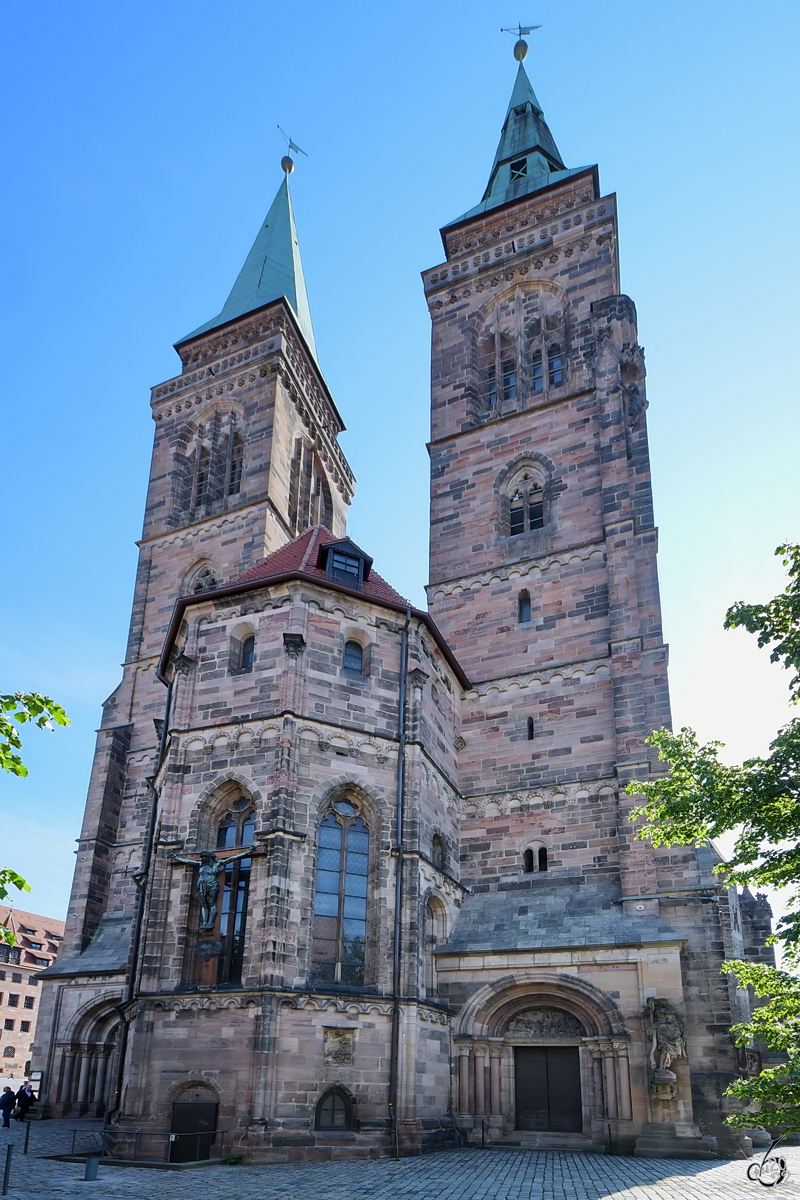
(299, 559)
(273, 270)
(527, 157)
(306, 556)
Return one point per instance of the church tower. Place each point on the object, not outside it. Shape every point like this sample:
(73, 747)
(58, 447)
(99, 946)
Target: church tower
(543, 581)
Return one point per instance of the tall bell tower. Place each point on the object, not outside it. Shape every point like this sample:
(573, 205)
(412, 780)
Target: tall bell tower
(543, 550)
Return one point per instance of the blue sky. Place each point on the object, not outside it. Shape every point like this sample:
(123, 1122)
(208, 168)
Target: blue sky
(143, 152)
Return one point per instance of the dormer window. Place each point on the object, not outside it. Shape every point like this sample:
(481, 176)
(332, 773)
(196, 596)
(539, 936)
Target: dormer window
(345, 564)
(520, 111)
(519, 168)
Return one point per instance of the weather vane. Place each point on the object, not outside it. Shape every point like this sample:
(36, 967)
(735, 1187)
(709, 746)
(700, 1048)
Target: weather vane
(287, 162)
(521, 46)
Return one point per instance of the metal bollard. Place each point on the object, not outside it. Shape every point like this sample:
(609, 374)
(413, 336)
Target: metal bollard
(27, 1137)
(92, 1163)
(7, 1170)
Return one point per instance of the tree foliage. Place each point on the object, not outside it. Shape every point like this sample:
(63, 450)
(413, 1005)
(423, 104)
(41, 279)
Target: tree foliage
(21, 708)
(701, 798)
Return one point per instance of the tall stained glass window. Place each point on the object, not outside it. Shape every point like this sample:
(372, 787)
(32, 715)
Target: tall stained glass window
(340, 905)
(234, 832)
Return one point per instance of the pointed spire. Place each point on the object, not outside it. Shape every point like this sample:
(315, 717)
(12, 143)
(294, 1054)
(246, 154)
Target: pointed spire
(527, 157)
(273, 269)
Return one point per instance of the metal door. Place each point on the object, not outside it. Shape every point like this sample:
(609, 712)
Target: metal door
(547, 1085)
(193, 1125)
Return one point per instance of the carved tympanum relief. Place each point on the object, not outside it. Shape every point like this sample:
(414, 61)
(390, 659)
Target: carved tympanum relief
(545, 1023)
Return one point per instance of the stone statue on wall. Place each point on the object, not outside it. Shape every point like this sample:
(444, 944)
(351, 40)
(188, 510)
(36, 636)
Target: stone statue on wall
(210, 868)
(667, 1036)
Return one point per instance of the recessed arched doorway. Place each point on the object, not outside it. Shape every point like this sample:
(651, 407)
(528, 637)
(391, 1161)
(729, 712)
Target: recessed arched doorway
(193, 1125)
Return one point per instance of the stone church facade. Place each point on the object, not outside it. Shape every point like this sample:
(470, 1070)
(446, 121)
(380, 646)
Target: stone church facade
(359, 879)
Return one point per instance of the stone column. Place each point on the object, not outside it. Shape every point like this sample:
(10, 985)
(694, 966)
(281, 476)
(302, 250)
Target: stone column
(624, 1079)
(67, 1067)
(494, 1081)
(480, 1080)
(83, 1078)
(609, 1080)
(597, 1071)
(99, 1093)
(463, 1079)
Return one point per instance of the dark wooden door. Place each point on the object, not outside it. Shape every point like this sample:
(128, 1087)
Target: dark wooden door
(193, 1125)
(547, 1086)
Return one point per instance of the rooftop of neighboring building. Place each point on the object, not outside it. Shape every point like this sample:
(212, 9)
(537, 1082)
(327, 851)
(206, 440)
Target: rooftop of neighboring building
(38, 939)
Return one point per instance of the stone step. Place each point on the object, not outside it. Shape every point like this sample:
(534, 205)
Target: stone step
(546, 1141)
(674, 1147)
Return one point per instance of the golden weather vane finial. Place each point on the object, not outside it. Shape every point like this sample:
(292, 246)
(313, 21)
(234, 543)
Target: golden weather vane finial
(521, 46)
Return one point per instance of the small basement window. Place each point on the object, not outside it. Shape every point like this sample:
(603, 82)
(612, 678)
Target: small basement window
(519, 168)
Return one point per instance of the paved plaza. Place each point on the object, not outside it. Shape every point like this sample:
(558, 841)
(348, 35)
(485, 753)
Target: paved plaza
(453, 1175)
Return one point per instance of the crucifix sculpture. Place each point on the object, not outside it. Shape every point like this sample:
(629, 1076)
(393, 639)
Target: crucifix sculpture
(208, 881)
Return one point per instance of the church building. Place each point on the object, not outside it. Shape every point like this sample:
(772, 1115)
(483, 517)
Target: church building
(358, 879)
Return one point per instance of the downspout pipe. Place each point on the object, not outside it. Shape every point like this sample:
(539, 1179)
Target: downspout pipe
(394, 1053)
(141, 878)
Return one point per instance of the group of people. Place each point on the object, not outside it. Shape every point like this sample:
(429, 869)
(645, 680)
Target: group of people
(16, 1104)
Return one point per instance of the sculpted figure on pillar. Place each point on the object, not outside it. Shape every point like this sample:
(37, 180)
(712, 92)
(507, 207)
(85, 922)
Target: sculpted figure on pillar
(667, 1036)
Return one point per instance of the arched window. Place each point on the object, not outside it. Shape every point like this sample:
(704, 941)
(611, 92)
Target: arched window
(234, 831)
(248, 653)
(340, 904)
(204, 581)
(527, 861)
(542, 858)
(524, 607)
(334, 1111)
(353, 659)
(434, 934)
(530, 729)
(497, 367)
(526, 506)
(437, 852)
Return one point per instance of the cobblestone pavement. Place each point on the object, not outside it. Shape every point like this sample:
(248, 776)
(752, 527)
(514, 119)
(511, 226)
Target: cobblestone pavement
(453, 1175)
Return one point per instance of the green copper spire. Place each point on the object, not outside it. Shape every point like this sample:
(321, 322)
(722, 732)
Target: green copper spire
(272, 270)
(527, 157)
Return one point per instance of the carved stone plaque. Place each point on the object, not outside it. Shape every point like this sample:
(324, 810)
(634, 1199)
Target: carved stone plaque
(338, 1045)
(548, 1023)
(208, 948)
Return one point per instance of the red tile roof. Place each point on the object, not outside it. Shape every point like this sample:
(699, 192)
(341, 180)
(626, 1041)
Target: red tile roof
(300, 558)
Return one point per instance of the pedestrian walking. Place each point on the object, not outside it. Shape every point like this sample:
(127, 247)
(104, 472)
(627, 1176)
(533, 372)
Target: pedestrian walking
(24, 1099)
(7, 1102)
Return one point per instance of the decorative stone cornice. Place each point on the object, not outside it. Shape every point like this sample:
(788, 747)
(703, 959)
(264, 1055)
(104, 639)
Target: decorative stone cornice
(525, 800)
(592, 668)
(519, 570)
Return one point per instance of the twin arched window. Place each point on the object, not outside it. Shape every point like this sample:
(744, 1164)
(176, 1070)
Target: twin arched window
(534, 858)
(340, 901)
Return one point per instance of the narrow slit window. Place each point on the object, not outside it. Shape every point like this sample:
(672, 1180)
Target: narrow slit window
(517, 513)
(537, 371)
(237, 458)
(353, 658)
(555, 364)
(542, 857)
(509, 379)
(530, 729)
(491, 386)
(527, 862)
(524, 607)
